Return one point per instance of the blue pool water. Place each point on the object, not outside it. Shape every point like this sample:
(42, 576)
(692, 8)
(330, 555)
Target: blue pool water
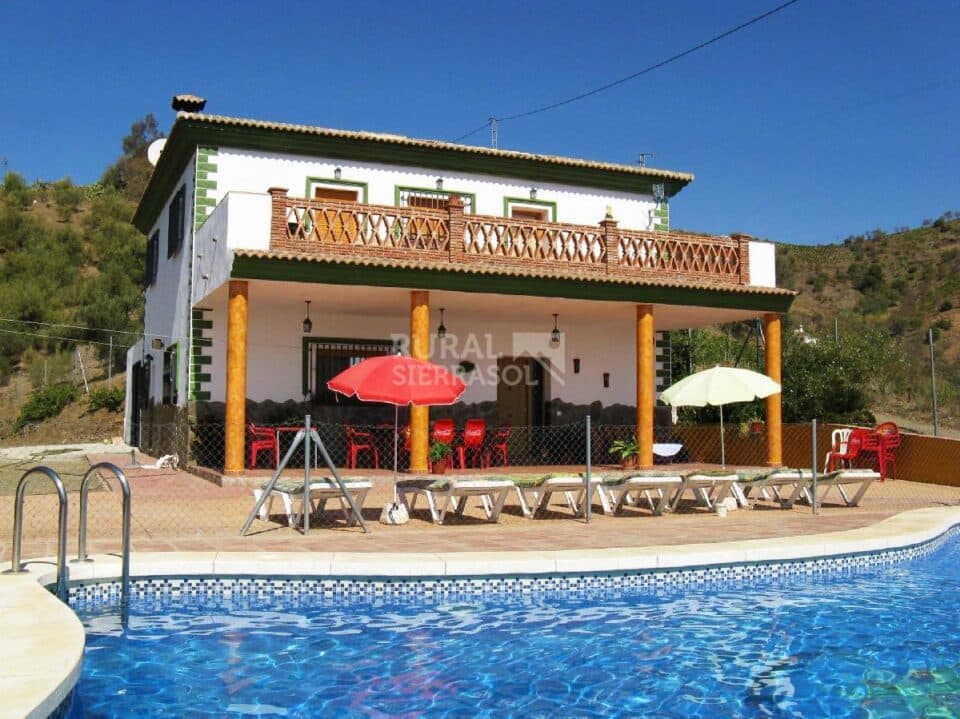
(881, 642)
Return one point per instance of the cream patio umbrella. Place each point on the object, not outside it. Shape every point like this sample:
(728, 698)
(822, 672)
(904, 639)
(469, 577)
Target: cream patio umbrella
(716, 387)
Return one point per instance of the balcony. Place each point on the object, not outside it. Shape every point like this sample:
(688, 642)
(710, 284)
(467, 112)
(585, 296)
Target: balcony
(330, 228)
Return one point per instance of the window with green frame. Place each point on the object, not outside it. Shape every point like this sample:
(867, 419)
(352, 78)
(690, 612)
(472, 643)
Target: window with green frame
(432, 199)
(524, 209)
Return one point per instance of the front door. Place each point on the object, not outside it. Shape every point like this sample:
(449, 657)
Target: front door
(520, 392)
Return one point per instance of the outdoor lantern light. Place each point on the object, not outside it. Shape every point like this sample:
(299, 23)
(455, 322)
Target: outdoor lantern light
(555, 335)
(441, 330)
(439, 183)
(307, 324)
(337, 173)
(533, 193)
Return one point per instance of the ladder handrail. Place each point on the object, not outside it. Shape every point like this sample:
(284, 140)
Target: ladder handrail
(16, 567)
(125, 529)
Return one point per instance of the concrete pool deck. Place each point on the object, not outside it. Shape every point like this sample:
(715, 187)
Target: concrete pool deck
(42, 654)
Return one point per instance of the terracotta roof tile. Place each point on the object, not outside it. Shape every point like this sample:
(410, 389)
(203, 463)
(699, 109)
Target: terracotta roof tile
(436, 144)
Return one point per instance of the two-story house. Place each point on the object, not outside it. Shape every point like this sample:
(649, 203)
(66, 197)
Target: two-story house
(278, 254)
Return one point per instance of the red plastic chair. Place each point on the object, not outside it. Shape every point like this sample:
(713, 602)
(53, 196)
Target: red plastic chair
(474, 432)
(845, 457)
(443, 431)
(888, 434)
(871, 445)
(262, 439)
(498, 446)
(358, 442)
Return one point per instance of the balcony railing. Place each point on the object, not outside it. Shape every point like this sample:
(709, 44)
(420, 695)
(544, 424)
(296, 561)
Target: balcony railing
(326, 227)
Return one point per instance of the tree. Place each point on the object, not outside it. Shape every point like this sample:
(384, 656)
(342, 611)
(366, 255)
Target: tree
(131, 172)
(837, 381)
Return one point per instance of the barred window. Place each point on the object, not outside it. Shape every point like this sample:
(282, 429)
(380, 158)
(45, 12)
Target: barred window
(432, 199)
(324, 359)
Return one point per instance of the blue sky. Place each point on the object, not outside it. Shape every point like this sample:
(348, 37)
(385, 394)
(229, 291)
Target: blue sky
(825, 120)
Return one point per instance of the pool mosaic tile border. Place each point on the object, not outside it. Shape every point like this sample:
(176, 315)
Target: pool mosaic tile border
(89, 592)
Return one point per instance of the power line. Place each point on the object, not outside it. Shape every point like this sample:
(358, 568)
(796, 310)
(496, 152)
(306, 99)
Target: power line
(633, 76)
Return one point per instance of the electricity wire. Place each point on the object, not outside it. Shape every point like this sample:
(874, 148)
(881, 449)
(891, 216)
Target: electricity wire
(639, 73)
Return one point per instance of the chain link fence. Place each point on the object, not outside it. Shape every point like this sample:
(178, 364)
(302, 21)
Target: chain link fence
(195, 501)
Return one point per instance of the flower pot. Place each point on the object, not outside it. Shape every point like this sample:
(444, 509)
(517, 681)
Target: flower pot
(439, 466)
(629, 463)
(756, 429)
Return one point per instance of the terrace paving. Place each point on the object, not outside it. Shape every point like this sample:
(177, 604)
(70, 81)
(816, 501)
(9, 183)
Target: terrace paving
(177, 511)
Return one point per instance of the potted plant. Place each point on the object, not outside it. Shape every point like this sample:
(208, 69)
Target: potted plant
(628, 449)
(440, 453)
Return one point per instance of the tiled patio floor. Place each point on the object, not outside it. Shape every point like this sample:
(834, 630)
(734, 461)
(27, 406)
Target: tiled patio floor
(176, 511)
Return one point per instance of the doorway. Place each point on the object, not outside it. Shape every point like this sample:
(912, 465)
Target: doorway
(521, 392)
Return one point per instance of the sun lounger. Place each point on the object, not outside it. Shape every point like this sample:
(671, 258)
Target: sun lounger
(782, 483)
(618, 489)
(708, 487)
(322, 489)
(535, 491)
(441, 494)
(841, 479)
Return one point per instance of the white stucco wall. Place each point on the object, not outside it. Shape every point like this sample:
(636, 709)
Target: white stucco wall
(240, 170)
(167, 311)
(247, 216)
(274, 371)
(763, 267)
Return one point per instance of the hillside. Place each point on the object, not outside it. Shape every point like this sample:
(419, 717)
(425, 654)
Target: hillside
(71, 268)
(903, 284)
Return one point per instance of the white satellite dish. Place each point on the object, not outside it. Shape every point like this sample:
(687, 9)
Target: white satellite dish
(153, 152)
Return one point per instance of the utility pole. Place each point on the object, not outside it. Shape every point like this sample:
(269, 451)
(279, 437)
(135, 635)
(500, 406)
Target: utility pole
(933, 380)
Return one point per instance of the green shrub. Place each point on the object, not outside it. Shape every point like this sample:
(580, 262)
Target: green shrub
(108, 398)
(45, 403)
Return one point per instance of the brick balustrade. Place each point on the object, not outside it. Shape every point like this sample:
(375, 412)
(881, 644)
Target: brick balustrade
(325, 227)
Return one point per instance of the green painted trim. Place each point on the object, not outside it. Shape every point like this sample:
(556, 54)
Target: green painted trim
(201, 341)
(363, 186)
(189, 133)
(552, 206)
(202, 359)
(397, 189)
(198, 312)
(202, 324)
(207, 166)
(258, 268)
(201, 377)
(312, 340)
(201, 396)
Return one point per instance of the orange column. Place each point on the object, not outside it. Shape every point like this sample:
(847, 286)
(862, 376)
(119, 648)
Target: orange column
(419, 349)
(771, 330)
(645, 385)
(236, 400)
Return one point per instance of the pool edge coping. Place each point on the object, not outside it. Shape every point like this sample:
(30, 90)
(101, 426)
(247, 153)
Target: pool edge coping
(44, 689)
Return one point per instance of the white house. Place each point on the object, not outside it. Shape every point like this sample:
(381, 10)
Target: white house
(388, 237)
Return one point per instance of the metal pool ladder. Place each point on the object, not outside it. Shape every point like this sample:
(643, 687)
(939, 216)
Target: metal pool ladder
(125, 528)
(16, 566)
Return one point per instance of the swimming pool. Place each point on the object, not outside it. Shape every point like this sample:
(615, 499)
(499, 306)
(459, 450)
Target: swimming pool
(882, 641)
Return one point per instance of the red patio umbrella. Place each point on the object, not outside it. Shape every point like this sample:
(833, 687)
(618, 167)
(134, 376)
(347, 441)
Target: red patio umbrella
(398, 380)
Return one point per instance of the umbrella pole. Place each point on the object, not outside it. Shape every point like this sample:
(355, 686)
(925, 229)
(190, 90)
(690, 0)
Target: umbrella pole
(396, 429)
(723, 443)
